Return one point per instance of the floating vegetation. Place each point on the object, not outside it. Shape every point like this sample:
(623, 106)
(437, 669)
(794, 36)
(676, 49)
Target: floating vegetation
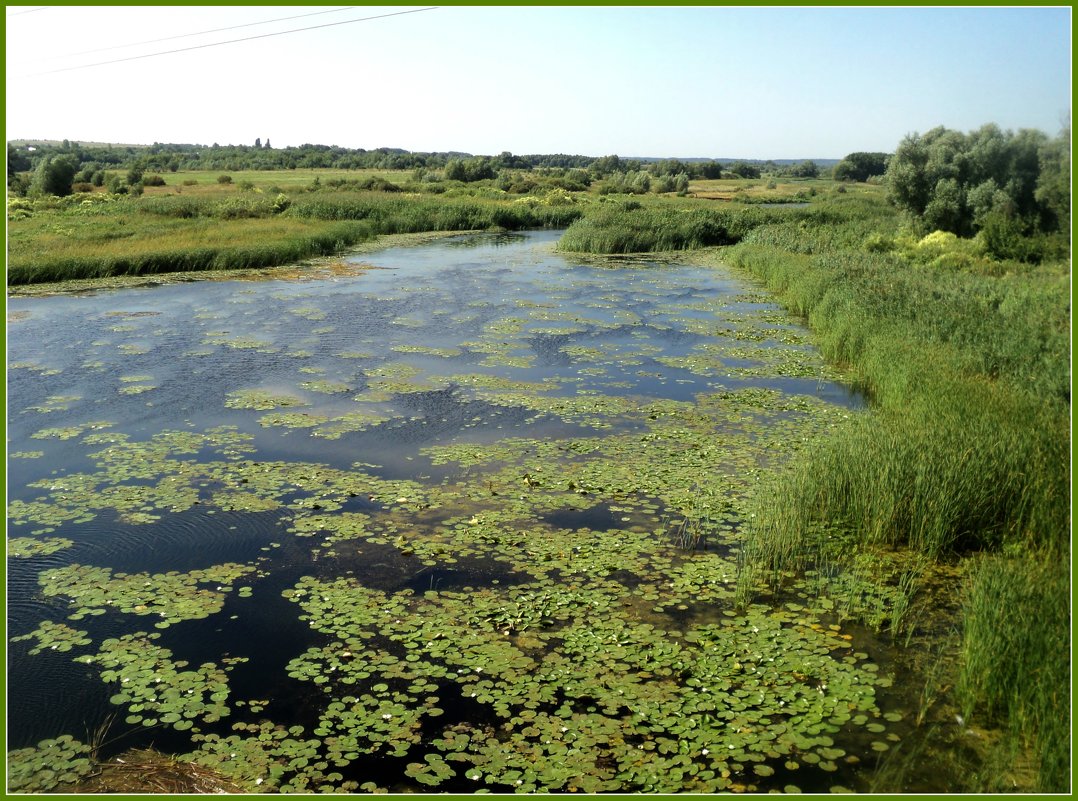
(29, 547)
(172, 596)
(326, 387)
(533, 590)
(262, 400)
(55, 403)
(70, 432)
(52, 636)
(48, 765)
(157, 690)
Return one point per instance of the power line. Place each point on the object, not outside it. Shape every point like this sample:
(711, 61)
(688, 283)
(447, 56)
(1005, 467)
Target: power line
(27, 11)
(231, 41)
(214, 30)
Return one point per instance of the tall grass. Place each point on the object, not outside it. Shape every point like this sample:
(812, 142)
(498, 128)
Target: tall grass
(970, 379)
(395, 214)
(633, 227)
(1016, 658)
(175, 246)
(966, 451)
(203, 232)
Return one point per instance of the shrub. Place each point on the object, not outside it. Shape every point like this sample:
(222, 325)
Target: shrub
(224, 179)
(153, 180)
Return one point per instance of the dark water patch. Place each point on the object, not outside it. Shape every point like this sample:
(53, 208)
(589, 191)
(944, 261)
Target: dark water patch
(191, 540)
(475, 573)
(595, 518)
(548, 349)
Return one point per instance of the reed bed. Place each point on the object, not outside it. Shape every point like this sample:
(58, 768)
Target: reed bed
(1015, 658)
(634, 227)
(178, 233)
(966, 453)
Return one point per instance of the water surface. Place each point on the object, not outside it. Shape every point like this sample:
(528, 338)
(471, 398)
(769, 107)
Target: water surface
(466, 519)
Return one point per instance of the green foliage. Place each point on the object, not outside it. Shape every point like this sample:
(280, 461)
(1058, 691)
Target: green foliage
(966, 450)
(805, 169)
(946, 180)
(641, 229)
(470, 170)
(1053, 191)
(861, 166)
(1015, 664)
(54, 176)
(627, 183)
(224, 179)
(743, 169)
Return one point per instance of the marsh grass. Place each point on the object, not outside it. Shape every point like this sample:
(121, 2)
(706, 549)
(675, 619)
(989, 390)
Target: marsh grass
(1015, 658)
(146, 247)
(180, 233)
(966, 452)
(635, 227)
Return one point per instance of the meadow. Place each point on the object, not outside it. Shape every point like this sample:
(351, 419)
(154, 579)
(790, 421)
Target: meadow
(961, 468)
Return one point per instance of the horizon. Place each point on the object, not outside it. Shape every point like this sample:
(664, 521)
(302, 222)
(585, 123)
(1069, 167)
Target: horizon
(89, 144)
(778, 81)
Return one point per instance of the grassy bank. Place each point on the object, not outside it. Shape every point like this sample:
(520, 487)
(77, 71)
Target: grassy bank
(966, 452)
(101, 236)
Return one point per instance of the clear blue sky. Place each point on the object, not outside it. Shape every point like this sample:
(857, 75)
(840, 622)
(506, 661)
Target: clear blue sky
(785, 82)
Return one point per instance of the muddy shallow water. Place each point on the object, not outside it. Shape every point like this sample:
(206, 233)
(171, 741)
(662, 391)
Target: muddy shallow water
(466, 518)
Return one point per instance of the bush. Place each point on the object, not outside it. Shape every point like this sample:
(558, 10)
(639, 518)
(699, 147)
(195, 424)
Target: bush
(1007, 237)
(82, 187)
(224, 179)
(153, 180)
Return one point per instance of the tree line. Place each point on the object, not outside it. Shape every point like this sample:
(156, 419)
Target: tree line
(161, 158)
(1010, 189)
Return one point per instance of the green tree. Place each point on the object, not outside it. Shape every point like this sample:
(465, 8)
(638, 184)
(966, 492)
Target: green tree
(949, 181)
(1053, 191)
(861, 166)
(742, 169)
(54, 176)
(806, 169)
(17, 161)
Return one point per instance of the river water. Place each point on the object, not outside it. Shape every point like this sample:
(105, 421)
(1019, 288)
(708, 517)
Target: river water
(333, 502)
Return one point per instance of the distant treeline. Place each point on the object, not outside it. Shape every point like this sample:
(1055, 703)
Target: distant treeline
(25, 157)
